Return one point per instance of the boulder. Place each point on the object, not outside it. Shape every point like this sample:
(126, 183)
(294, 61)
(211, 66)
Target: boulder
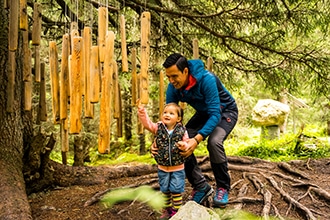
(268, 112)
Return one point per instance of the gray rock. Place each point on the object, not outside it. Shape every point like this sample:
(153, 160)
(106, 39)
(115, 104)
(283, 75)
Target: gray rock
(268, 112)
(191, 210)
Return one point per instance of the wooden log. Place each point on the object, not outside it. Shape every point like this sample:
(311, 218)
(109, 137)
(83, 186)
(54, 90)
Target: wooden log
(76, 93)
(37, 63)
(13, 25)
(209, 65)
(134, 77)
(195, 49)
(64, 77)
(27, 80)
(23, 21)
(36, 28)
(124, 62)
(102, 31)
(54, 76)
(161, 93)
(42, 110)
(95, 75)
(106, 98)
(145, 54)
(88, 106)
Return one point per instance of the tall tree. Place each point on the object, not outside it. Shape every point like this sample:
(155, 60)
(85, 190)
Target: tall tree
(13, 199)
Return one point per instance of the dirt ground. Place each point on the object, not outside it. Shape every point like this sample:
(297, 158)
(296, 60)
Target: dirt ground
(293, 190)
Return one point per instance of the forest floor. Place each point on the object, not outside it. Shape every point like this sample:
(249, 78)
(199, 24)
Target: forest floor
(292, 190)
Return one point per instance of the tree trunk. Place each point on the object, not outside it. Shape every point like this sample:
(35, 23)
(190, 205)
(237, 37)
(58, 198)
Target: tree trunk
(13, 199)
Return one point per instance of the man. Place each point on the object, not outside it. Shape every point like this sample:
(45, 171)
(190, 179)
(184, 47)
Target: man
(215, 117)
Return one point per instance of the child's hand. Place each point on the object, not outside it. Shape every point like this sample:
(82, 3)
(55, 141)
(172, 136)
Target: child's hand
(139, 104)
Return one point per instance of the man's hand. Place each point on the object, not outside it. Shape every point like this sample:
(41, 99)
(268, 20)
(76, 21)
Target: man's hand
(154, 149)
(188, 147)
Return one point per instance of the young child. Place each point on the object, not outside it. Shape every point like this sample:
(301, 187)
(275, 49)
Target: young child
(168, 132)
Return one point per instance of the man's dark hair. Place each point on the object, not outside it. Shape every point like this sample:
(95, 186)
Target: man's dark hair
(176, 59)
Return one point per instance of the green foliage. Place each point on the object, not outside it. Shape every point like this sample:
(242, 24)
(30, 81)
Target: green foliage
(144, 194)
(285, 148)
(231, 214)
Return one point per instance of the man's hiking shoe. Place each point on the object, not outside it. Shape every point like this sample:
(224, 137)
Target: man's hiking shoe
(221, 198)
(200, 195)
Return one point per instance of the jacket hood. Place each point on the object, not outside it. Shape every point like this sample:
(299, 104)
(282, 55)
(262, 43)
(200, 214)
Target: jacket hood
(196, 68)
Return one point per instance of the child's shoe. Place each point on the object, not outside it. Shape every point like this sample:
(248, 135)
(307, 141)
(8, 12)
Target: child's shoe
(167, 213)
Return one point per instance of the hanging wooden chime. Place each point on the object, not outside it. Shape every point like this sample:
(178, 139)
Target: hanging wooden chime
(75, 87)
(95, 78)
(124, 61)
(195, 49)
(64, 77)
(102, 31)
(88, 106)
(145, 54)
(54, 75)
(106, 97)
(42, 111)
(161, 93)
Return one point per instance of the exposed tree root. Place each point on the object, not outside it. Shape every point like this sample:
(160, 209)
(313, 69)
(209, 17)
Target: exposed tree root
(288, 168)
(290, 200)
(254, 183)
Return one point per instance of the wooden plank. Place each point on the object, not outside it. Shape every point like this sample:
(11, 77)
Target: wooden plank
(37, 63)
(95, 75)
(116, 107)
(23, 22)
(54, 76)
(195, 49)
(27, 80)
(42, 110)
(26, 57)
(106, 97)
(76, 93)
(64, 140)
(124, 61)
(102, 31)
(64, 77)
(13, 25)
(209, 65)
(120, 118)
(88, 106)
(145, 54)
(134, 77)
(36, 28)
(161, 93)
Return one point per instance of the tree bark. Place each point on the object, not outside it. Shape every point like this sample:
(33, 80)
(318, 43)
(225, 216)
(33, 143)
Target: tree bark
(13, 200)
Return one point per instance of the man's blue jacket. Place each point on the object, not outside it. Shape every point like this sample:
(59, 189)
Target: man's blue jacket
(207, 96)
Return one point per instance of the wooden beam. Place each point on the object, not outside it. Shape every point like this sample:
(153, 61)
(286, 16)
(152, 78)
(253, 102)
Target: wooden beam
(145, 54)
(76, 93)
(106, 97)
